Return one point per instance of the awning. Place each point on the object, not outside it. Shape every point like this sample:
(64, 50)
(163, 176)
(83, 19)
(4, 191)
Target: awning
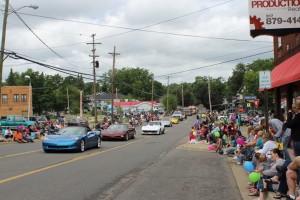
(286, 72)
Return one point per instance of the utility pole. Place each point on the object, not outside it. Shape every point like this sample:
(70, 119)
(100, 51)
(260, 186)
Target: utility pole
(208, 81)
(95, 65)
(80, 107)
(3, 39)
(168, 93)
(152, 92)
(68, 101)
(182, 99)
(113, 83)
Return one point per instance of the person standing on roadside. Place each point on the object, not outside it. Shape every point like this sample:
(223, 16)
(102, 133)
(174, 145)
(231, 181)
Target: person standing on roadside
(293, 122)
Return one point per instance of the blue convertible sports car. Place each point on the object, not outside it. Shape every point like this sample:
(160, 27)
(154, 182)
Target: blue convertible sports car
(72, 138)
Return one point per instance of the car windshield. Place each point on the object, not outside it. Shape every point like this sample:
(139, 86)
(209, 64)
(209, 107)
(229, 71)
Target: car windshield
(117, 127)
(42, 119)
(153, 123)
(72, 130)
(78, 120)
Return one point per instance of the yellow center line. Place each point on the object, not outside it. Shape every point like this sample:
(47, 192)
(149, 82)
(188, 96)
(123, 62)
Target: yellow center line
(63, 163)
(18, 154)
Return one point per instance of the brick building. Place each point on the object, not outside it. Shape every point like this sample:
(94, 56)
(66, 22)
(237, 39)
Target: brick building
(14, 100)
(286, 74)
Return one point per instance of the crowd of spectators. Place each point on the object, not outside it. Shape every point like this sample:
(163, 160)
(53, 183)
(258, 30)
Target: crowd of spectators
(266, 150)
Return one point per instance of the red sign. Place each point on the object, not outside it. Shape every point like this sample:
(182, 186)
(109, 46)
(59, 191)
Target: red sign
(256, 103)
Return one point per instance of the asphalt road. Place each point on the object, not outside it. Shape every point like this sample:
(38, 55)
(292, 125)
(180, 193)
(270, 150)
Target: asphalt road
(148, 167)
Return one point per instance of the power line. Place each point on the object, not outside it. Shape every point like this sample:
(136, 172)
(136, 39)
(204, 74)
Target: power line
(14, 11)
(214, 64)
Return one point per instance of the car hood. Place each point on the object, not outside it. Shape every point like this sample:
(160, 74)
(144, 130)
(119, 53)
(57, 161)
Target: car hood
(62, 138)
(148, 127)
(112, 132)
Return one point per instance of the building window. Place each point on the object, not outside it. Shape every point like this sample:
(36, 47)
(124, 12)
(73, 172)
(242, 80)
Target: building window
(288, 47)
(4, 98)
(16, 98)
(279, 42)
(23, 97)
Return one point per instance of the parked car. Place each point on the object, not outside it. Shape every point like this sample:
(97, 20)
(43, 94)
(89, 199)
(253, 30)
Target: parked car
(78, 122)
(153, 127)
(13, 121)
(77, 138)
(119, 131)
(40, 119)
(166, 122)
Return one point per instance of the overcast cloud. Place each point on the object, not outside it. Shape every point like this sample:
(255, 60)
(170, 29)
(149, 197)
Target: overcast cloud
(158, 52)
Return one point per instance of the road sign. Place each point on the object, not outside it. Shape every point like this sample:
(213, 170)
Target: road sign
(249, 98)
(265, 80)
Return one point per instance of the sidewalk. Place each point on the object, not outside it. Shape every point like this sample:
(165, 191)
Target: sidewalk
(240, 175)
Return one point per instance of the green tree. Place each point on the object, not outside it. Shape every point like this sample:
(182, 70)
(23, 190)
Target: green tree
(12, 79)
(170, 102)
(251, 80)
(235, 82)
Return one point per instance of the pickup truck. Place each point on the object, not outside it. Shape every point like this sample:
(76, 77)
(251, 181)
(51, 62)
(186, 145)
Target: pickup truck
(13, 121)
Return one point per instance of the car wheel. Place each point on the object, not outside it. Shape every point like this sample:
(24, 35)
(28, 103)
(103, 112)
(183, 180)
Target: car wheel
(159, 132)
(47, 151)
(171, 125)
(133, 136)
(82, 146)
(98, 143)
(126, 137)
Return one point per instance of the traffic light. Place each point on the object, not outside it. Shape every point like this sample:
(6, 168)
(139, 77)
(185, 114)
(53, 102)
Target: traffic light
(97, 64)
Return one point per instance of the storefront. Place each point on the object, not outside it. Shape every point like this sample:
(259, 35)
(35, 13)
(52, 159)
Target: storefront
(286, 83)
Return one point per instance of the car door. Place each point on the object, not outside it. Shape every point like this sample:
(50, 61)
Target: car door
(91, 138)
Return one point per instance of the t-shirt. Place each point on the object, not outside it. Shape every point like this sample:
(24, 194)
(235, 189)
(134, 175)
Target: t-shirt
(18, 135)
(259, 142)
(268, 146)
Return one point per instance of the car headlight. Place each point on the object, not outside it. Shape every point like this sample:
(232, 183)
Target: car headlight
(74, 138)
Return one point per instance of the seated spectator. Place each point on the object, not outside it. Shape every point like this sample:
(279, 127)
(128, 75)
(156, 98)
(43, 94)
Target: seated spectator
(218, 143)
(18, 137)
(268, 145)
(267, 174)
(292, 177)
(8, 135)
(210, 137)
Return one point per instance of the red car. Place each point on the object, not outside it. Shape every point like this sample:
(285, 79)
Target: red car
(119, 131)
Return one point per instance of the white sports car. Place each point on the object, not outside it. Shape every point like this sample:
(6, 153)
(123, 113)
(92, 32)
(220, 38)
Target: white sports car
(154, 127)
(166, 122)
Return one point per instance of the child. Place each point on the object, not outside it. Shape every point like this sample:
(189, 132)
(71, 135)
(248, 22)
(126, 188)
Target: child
(232, 142)
(218, 142)
(192, 135)
(239, 155)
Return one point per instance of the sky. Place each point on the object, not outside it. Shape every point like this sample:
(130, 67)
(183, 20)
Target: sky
(171, 38)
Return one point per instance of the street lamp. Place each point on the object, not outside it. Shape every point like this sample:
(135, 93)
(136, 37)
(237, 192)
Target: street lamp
(29, 99)
(6, 13)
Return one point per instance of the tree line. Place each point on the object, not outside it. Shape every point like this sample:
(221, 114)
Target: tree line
(49, 91)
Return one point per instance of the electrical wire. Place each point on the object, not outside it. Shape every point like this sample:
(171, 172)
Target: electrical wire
(14, 11)
(214, 64)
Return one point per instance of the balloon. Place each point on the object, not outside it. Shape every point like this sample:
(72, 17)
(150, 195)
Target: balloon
(240, 141)
(217, 134)
(248, 166)
(211, 147)
(254, 177)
